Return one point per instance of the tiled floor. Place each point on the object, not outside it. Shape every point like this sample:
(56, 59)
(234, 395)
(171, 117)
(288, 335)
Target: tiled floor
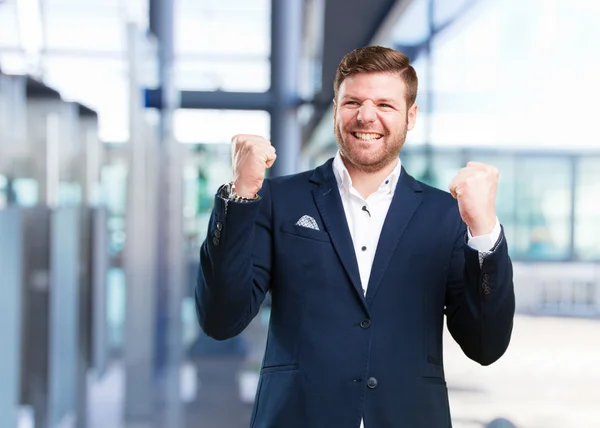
(549, 378)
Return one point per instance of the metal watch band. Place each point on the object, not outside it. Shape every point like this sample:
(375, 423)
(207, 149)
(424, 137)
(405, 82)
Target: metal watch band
(228, 192)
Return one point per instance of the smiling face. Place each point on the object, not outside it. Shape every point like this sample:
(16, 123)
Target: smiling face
(371, 119)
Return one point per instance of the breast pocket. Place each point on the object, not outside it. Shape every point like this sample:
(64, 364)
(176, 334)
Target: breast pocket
(305, 232)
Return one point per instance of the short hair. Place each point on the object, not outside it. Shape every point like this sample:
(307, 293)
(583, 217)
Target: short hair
(378, 59)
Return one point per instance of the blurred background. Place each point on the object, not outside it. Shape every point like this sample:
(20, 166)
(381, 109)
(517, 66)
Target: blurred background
(115, 121)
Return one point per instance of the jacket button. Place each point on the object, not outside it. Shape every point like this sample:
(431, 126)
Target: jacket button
(487, 290)
(486, 277)
(216, 242)
(372, 383)
(219, 226)
(365, 324)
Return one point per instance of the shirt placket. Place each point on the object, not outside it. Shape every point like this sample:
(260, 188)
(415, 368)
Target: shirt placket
(363, 242)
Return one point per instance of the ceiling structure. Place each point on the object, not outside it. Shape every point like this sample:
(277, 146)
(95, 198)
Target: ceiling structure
(220, 45)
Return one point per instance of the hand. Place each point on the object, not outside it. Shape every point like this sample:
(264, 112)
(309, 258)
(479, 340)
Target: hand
(474, 187)
(251, 155)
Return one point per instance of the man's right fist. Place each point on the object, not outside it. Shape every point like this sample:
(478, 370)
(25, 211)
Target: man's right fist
(251, 155)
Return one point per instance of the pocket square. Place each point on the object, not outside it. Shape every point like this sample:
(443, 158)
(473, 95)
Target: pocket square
(307, 221)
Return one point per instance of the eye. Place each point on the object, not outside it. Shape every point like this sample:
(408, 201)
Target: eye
(385, 106)
(354, 103)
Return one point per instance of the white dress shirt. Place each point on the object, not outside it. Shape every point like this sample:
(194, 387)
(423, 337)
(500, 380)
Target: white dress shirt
(365, 218)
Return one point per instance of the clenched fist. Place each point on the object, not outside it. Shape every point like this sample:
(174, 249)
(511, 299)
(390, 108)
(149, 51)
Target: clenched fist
(251, 155)
(474, 187)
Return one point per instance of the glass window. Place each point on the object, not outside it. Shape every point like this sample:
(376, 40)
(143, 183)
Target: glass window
(9, 27)
(543, 208)
(444, 168)
(223, 45)
(419, 134)
(3, 191)
(413, 26)
(247, 32)
(218, 126)
(207, 167)
(114, 196)
(71, 76)
(26, 192)
(414, 162)
(224, 73)
(587, 210)
(437, 169)
(83, 26)
(492, 81)
(505, 195)
(445, 11)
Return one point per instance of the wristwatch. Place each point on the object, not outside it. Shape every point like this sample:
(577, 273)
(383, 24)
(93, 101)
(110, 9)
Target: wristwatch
(227, 191)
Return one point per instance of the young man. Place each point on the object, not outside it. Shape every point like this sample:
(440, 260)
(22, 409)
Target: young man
(362, 262)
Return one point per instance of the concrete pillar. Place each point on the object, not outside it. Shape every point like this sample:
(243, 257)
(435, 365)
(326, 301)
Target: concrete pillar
(286, 44)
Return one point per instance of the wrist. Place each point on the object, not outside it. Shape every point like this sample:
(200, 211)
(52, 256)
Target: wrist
(482, 228)
(243, 191)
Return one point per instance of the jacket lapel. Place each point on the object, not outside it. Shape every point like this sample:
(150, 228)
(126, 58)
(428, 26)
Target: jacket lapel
(407, 197)
(329, 203)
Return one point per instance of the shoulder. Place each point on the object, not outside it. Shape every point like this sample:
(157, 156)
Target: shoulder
(302, 181)
(290, 180)
(438, 195)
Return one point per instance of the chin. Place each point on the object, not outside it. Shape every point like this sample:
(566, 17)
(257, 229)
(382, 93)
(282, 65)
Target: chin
(368, 163)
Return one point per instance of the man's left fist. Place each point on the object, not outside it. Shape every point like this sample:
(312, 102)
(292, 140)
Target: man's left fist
(474, 187)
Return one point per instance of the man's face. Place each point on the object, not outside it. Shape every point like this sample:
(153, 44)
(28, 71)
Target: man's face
(371, 119)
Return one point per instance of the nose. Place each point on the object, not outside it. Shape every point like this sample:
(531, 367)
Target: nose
(366, 114)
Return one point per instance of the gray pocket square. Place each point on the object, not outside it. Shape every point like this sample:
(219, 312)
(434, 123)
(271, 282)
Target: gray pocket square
(308, 222)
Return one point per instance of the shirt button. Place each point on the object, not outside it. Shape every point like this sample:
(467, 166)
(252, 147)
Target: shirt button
(372, 383)
(364, 248)
(365, 324)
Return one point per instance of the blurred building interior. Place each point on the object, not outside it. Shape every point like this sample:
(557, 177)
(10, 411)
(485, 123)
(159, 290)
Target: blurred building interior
(115, 126)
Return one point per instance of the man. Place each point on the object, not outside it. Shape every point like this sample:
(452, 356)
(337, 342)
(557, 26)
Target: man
(362, 262)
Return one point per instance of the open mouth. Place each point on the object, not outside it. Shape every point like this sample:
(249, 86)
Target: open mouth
(370, 136)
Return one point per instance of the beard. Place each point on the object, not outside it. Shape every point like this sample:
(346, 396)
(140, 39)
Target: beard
(371, 162)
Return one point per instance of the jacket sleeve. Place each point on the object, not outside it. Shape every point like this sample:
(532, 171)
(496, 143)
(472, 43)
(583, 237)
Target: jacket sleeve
(480, 299)
(235, 265)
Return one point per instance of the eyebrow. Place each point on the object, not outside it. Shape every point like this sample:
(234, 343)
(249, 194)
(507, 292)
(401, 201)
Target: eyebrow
(381, 100)
(386, 101)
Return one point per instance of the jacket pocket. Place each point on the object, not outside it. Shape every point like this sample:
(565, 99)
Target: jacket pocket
(305, 232)
(275, 369)
(281, 398)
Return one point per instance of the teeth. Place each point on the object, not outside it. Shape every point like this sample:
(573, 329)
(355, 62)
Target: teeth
(366, 137)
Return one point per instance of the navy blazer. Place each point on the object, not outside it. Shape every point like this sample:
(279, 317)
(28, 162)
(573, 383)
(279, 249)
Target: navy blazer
(334, 355)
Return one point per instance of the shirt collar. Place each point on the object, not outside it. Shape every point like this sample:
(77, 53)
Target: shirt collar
(344, 181)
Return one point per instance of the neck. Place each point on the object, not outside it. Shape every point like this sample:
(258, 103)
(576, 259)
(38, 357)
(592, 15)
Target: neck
(365, 182)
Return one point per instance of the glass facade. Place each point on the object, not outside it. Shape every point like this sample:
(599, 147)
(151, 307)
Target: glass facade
(237, 60)
(543, 201)
(587, 209)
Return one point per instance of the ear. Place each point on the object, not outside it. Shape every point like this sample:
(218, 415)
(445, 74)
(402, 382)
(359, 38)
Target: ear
(334, 111)
(411, 117)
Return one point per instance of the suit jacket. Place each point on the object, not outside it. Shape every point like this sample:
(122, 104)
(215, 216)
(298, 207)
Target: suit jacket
(334, 355)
